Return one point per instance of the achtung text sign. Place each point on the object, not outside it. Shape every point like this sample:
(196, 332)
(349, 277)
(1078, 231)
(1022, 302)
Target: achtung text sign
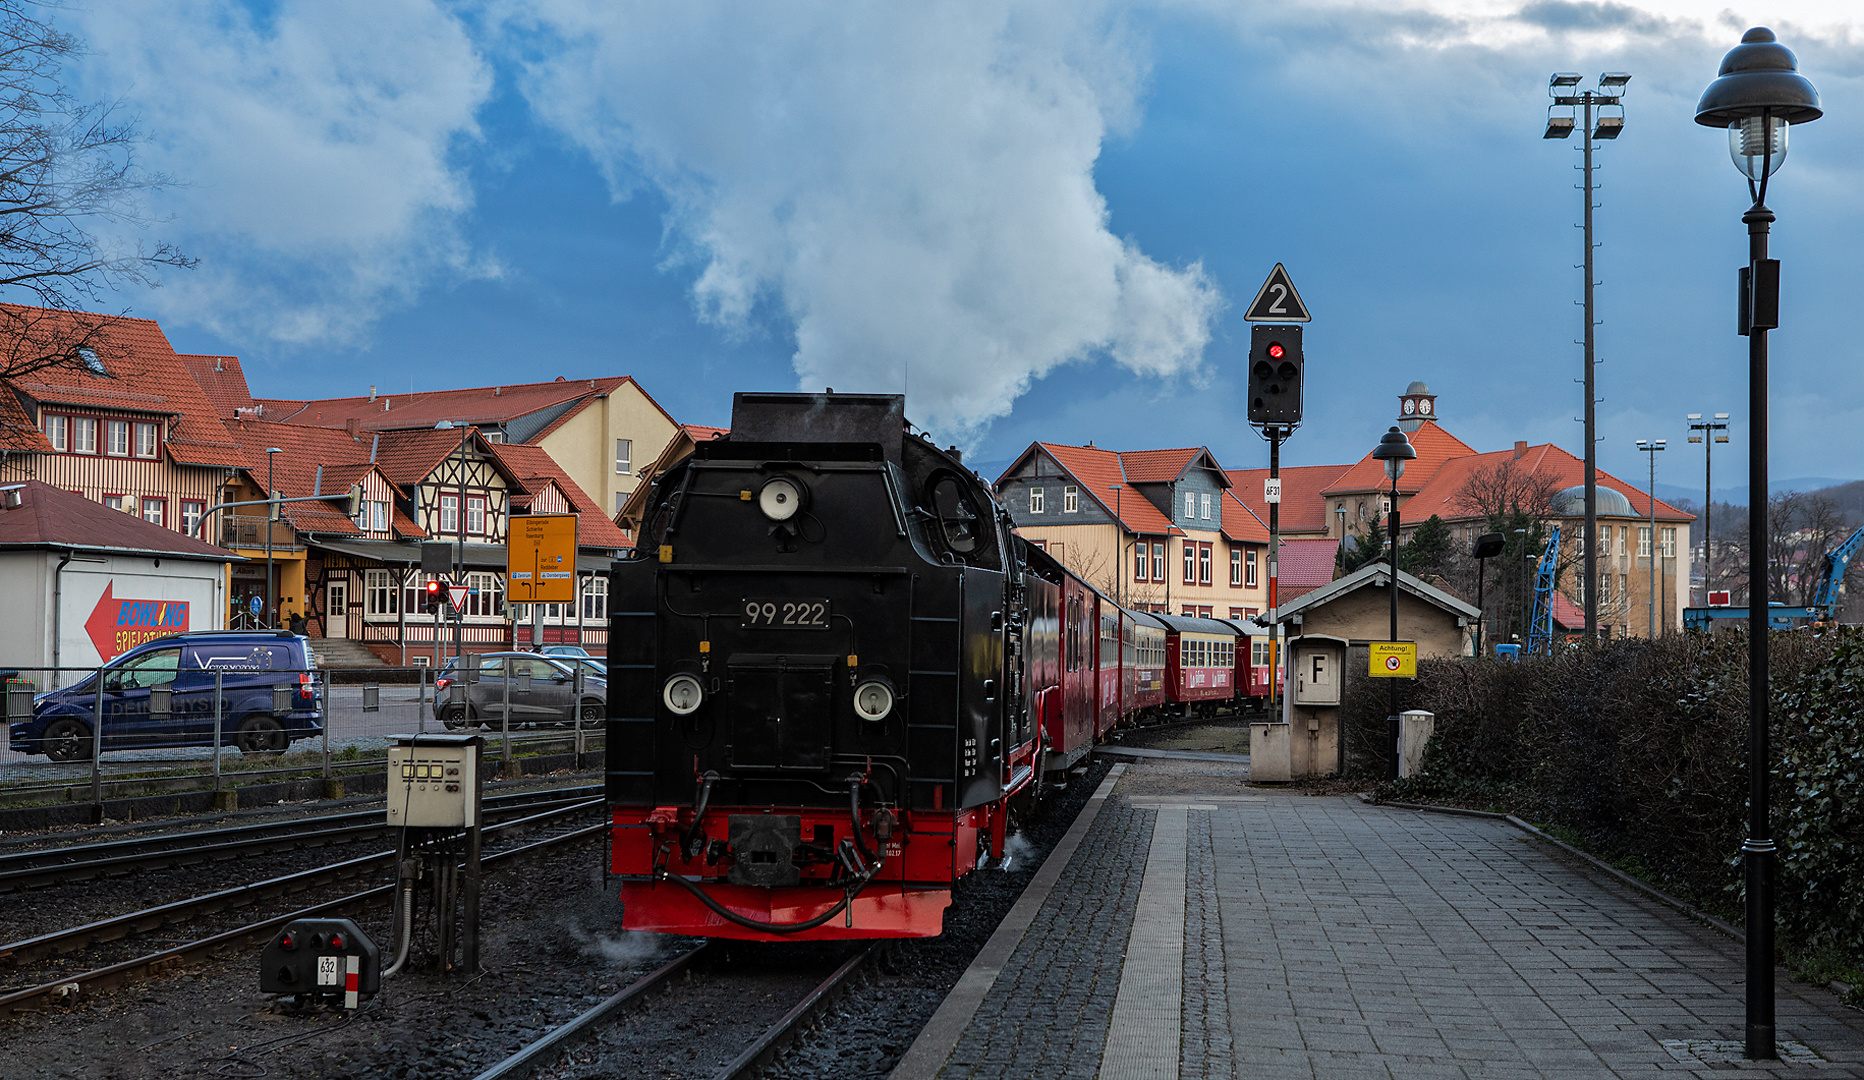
(1393, 660)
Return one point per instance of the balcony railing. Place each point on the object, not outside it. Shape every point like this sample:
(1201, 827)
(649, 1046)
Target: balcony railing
(249, 532)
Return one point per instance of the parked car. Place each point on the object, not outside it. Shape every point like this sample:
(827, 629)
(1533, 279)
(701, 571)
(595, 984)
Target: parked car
(564, 650)
(161, 694)
(542, 691)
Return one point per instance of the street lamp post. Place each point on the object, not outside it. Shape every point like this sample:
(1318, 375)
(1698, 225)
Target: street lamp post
(1757, 93)
(1119, 529)
(1652, 447)
(1394, 450)
(1521, 542)
(271, 522)
(1711, 434)
(1488, 545)
(1600, 122)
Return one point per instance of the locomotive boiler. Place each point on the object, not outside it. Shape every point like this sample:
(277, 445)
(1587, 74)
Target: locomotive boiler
(819, 703)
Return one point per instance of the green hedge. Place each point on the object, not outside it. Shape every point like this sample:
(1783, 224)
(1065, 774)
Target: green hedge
(1637, 751)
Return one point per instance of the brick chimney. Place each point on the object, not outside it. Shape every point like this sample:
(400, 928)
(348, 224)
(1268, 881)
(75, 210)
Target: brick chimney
(353, 425)
(1520, 449)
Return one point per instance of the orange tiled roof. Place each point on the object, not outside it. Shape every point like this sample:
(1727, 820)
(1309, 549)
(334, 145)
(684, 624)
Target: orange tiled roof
(704, 432)
(221, 379)
(1098, 470)
(143, 373)
(535, 468)
(1305, 565)
(1434, 446)
(1303, 510)
(1158, 466)
(1240, 523)
(470, 405)
(1439, 495)
(294, 471)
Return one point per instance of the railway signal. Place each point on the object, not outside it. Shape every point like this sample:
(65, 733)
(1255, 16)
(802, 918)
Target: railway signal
(1275, 372)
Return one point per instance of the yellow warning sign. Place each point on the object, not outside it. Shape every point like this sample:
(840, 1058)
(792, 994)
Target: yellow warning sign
(540, 559)
(1393, 660)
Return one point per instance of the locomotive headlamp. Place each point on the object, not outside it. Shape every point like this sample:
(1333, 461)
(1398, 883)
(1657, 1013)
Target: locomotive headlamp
(780, 498)
(682, 695)
(873, 700)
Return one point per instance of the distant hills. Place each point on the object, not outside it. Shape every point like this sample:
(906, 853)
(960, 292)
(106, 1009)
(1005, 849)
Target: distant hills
(1851, 499)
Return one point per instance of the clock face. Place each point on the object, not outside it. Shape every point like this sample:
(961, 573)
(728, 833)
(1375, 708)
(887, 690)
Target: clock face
(1410, 406)
(1423, 407)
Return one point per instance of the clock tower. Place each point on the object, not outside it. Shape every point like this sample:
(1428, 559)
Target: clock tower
(1416, 406)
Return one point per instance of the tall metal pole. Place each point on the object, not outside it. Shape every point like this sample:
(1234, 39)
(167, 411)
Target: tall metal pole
(270, 521)
(1592, 478)
(459, 553)
(1275, 435)
(1651, 493)
(1391, 540)
(1708, 438)
(1757, 853)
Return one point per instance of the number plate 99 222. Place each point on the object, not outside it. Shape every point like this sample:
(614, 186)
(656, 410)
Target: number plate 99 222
(785, 614)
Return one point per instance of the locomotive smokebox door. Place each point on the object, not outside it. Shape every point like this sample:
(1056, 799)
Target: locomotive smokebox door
(764, 849)
(321, 958)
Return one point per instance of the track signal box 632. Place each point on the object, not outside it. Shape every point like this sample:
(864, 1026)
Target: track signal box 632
(1275, 374)
(321, 959)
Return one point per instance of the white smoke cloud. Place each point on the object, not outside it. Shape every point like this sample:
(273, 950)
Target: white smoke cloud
(910, 186)
(313, 150)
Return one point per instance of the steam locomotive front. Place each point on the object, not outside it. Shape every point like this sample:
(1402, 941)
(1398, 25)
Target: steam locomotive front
(806, 678)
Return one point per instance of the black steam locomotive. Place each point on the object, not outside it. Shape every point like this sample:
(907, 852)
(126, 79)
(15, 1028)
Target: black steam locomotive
(819, 700)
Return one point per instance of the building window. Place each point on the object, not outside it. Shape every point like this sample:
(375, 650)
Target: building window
(595, 599)
(379, 593)
(118, 503)
(118, 432)
(1035, 500)
(1203, 507)
(449, 513)
(191, 516)
(1624, 588)
(1249, 570)
(475, 514)
(1070, 499)
(624, 456)
(1203, 564)
(1139, 561)
(1605, 588)
(1190, 562)
(621, 499)
(58, 432)
(1624, 540)
(1236, 566)
(1158, 561)
(85, 441)
(1236, 614)
(373, 517)
(1669, 543)
(147, 436)
(1190, 504)
(485, 597)
(155, 511)
(1643, 542)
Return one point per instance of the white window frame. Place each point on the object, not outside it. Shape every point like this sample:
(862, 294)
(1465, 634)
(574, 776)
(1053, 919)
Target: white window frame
(1203, 506)
(112, 429)
(1190, 504)
(160, 506)
(192, 510)
(1249, 570)
(1236, 566)
(595, 599)
(58, 432)
(475, 515)
(1140, 561)
(489, 601)
(450, 514)
(624, 457)
(1158, 561)
(1643, 541)
(84, 426)
(381, 594)
(1036, 500)
(1070, 499)
(1668, 537)
(148, 440)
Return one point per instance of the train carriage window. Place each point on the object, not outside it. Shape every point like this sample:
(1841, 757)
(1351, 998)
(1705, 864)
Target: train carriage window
(958, 519)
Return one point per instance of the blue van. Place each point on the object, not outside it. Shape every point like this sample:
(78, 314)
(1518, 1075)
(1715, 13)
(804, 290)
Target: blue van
(161, 694)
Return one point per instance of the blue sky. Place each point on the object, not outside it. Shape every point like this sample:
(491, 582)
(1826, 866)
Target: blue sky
(1043, 219)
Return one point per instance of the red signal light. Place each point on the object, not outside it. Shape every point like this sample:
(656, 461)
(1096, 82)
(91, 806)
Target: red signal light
(336, 941)
(1276, 352)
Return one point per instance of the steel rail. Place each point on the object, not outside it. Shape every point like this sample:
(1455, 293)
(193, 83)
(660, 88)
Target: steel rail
(117, 927)
(115, 975)
(48, 866)
(780, 1034)
(524, 1061)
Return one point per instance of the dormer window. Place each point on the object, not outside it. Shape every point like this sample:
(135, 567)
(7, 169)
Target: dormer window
(91, 361)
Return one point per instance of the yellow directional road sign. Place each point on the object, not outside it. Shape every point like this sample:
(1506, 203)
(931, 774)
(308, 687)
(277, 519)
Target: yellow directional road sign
(1393, 660)
(540, 559)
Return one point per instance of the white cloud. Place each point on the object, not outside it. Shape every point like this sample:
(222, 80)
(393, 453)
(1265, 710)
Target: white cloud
(313, 150)
(911, 186)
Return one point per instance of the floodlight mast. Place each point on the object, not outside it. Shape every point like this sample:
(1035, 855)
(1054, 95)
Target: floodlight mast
(1600, 123)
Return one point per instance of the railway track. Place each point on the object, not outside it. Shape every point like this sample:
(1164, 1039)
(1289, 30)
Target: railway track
(68, 987)
(543, 1053)
(82, 862)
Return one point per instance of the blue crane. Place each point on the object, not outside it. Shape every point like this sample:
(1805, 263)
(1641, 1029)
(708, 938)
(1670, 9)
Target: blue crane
(1540, 630)
(1824, 606)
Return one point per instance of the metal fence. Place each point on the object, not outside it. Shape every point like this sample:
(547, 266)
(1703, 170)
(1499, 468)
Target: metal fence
(236, 724)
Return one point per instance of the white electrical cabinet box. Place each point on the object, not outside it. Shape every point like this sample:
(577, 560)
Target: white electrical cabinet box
(433, 781)
(1318, 670)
